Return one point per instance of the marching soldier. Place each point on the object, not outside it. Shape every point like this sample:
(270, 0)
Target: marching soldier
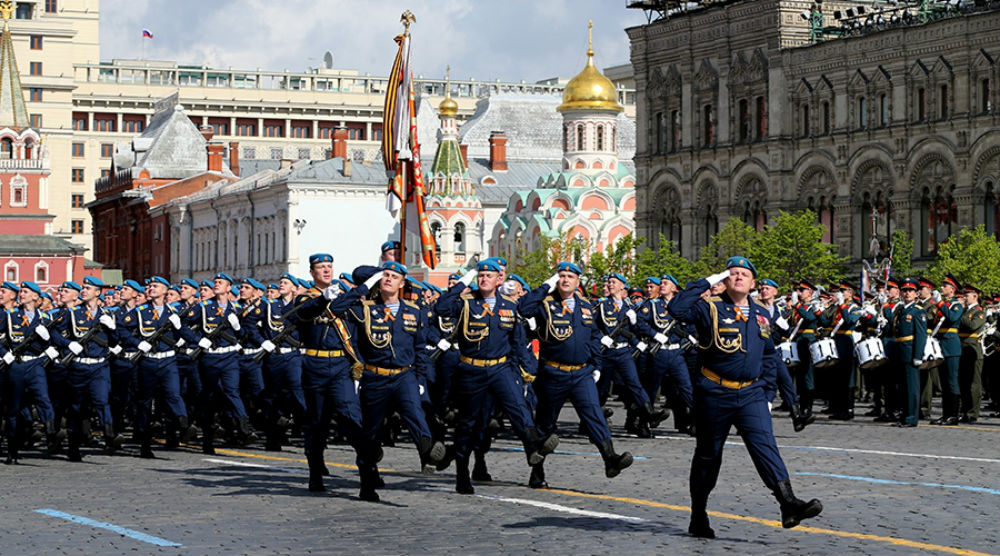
(657, 327)
(951, 311)
(251, 379)
(491, 346)
(808, 311)
(187, 368)
(971, 366)
(122, 369)
(780, 329)
(567, 368)
(909, 327)
(737, 377)
(843, 316)
(930, 379)
(887, 385)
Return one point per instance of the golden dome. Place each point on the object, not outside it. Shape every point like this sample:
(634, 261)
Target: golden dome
(448, 108)
(590, 90)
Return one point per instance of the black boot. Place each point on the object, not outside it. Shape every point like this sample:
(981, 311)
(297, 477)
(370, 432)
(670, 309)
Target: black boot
(537, 478)
(479, 471)
(208, 440)
(449, 456)
(431, 453)
(52, 438)
(187, 431)
(463, 484)
(613, 463)
(799, 419)
(245, 434)
(369, 482)
(316, 468)
(794, 510)
(536, 447)
(654, 417)
(699, 526)
(146, 446)
(112, 442)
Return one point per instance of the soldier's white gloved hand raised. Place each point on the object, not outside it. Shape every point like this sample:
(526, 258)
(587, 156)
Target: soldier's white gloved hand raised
(267, 345)
(469, 277)
(631, 316)
(331, 291)
(234, 321)
(551, 282)
(840, 298)
(607, 342)
(175, 321)
(75, 347)
(107, 321)
(795, 298)
(508, 287)
(870, 310)
(716, 278)
(370, 283)
(936, 296)
(205, 343)
(596, 374)
(8, 358)
(42, 332)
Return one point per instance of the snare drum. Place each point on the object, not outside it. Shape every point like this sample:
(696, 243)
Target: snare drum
(870, 353)
(932, 354)
(823, 353)
(789, 353)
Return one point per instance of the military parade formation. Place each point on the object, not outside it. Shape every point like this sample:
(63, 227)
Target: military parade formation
(360, 357)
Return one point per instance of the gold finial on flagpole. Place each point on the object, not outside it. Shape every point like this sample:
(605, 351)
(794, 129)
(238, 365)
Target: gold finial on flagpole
(406, 19)
(7, 9)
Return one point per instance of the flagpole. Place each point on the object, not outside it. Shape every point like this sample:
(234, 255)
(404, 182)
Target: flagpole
(402, 169)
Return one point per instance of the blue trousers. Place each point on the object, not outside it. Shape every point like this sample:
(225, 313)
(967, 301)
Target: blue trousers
(122, 389)
(60, 393)
(380, 393)
(949, 383)
(190, 381)
(658, 366)
(618, 364)
(158, 376)
(716, 410)
(251, 378)
(283, 385)
(554, 387)
(91, 387)
(220, 376)
(473, 386)
(329, 391)
(804, 379)
(785, 384)
(20, 379)
(910, 394)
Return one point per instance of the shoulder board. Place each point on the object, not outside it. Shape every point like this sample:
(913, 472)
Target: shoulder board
(713, 298)
(314, 291)
(367, 302)
(468, 296)
(511, 299)
(205, 302)
(141, 307)
(411, 304)
(761, 305)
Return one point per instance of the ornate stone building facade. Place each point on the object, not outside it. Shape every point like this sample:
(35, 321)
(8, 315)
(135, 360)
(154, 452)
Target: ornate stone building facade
(739, 115)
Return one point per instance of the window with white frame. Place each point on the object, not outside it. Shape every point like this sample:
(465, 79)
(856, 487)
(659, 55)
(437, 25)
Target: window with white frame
(41, 272)
(10, 271)
(18, 191)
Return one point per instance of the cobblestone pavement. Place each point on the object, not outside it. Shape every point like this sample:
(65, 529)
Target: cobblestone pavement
(929, 490)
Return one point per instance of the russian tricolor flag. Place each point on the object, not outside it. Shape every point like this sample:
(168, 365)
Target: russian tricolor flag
(146, 33)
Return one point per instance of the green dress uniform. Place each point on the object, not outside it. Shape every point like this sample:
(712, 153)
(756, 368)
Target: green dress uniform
(970, 377)
(951, 311)
(909, 326)
(930, 379)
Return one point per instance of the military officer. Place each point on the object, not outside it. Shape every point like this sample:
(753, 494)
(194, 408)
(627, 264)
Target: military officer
(186, 367)
(779, 329)
(807, 310)
(733, 386)
(930, 379)
(843, 316)
(251, 292)
(122, 369)
(909, 328)
(491, 346)
(971, 366)
(951, 310)
(390, 252)
(569, 355)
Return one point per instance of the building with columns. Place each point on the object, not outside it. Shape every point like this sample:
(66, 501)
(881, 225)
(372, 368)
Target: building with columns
(894, 127)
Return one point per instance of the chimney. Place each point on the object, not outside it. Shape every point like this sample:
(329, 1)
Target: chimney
(498, 151)
(215, 152)
(339, 143)
(234, 157)
(348, 168)
(464, 149)
(207, 131)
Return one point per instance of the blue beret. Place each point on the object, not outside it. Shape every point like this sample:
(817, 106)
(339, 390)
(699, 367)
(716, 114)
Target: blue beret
(32, 286)
(159, 280)
(224, 276)
(272, 286)
(101, 297)
(619, 277)
(474, 287)
(10, 286)
(289, 277)
(175, 287)
(343, 286)
(346, 277)
(491, 265)
(189, 282)
(518, 279)
(742, 262)
(303, 283)
(433, 288)
(47, 295)
(93, 281)
(320, 258)
(566, 265)
(248, 281)
(362, 273)
(671, 278)
(71, 285)
(207, 284)
(498, 260)
(454, 276)
(651, 280)
(389, 245)
(134, 285)
(769, 282)
(235, 290)
(395, 267)
(414, 283)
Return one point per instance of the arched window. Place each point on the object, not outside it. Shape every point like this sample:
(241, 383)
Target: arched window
(710, 223)
(18, 191)
(10, 271)
(600, 138)
(579, 137)
(566, 138)
(938, 210)
(41, 272)
(436, 232)
(754, 215)
(460, 238)
(6, 148)
(29, 149)
(991, 210)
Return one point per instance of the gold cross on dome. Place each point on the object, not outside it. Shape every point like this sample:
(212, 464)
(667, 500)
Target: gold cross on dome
(590, 36)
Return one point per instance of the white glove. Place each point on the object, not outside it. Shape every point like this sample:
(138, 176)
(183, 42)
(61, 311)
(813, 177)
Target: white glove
(532, 323)
(357, 387)
(180, 342)
(716, 278)
(631, 316)
(814, 306)
(444, 345)
(918, 362)
(107, 321)
(936, 296)
(234, 321)
(551, 282)
(795, 298)
(205, 343)
(51, 352)
(781, 323)
(144, 346)
(508, 287)
(469, 277)
(175, 321)
(882, 321)
(641, 346)
(770, 406)
(420, 389)
(8, 358)
(115, 350)
(370, 283)
(43, 332)
(840, 298)
(332, 291)
(596, 374)
(267, 345)
(869, 310)
(76, 348)
(607, 342)
(661, 338)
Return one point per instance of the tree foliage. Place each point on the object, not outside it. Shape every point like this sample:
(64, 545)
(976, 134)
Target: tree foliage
(973, 256)
(902, 254)
(792, 249)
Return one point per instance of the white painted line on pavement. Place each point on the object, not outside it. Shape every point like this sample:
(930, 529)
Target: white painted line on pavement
(551, 506)
(125, 532)
(245, 464)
